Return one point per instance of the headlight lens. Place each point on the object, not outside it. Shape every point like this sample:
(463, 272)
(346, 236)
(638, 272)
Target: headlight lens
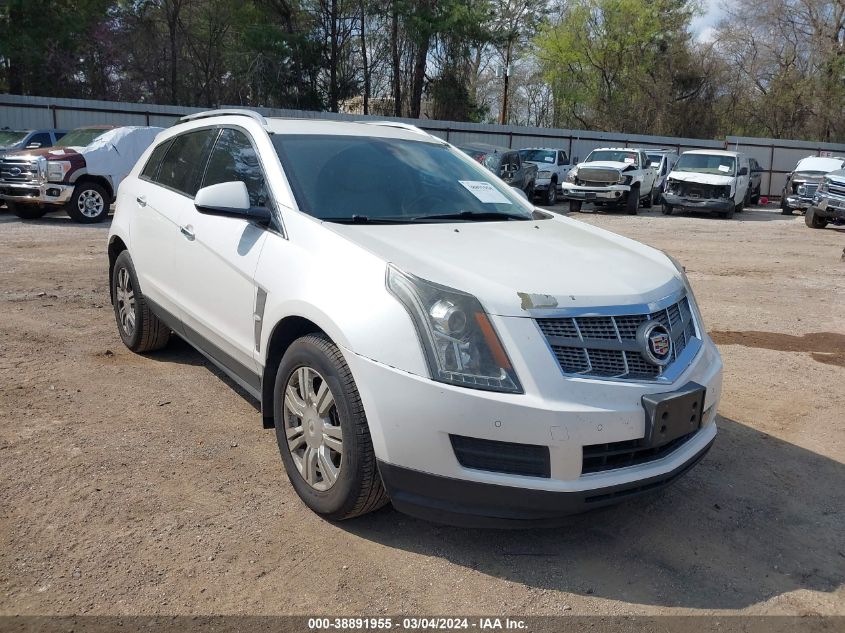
(802, 190)
(572, 175)
(460, 344)
(544, 174)
(57, 169)
(824, 184)
(625, 180)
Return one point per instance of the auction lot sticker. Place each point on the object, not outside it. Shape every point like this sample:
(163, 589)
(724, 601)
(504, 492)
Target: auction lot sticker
(484, 191)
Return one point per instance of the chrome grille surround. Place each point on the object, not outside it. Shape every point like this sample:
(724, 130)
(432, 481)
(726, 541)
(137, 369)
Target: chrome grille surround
(599, 175)
(836, 187)
(19, 170)
(601, 342)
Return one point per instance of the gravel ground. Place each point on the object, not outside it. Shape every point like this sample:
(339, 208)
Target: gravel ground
(142, 485)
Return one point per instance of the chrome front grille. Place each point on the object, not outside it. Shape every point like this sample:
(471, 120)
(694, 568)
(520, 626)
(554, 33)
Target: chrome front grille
(606, 346)
(836, 188)
(598, 175)
(18, 170)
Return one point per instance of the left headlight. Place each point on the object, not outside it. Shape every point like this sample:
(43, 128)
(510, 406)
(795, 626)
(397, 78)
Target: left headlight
(544, 174)
(57, 170)
(459, 341)
(824, 185)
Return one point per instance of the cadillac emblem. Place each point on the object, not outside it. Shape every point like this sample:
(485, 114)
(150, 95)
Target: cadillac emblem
(655, 343)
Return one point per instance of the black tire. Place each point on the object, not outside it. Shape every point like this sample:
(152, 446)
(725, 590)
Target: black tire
(358, 488)
(784, 208)
(574, 206)
(147, 332)
(648, 201)
(666, 209)
(27, 211)
(633, 201)
(812, 219)
(530, 192)
(551, 194)
(727, 214)
(89, 203)
(755, 198)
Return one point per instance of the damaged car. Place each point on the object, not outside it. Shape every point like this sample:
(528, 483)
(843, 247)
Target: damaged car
(612, 176)
(804, 180)
(714, 181)
(80, 174)
(829, 202)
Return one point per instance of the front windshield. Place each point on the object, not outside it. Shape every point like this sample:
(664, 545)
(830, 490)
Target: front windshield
(8, 137)
(81, 137)
(344, 178)
(655, 159)
(613, 155)
(537, 155)
(707, 164)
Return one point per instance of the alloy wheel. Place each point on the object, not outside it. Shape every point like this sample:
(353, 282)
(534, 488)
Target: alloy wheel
(125, 297)
(90, 203)
(312, 428)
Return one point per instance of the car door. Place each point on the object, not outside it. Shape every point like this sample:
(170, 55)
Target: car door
(163, 194)
(649, 173)
(217, 264)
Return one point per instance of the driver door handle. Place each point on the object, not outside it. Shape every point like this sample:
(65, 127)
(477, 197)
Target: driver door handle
(187, 232)
(141, 200)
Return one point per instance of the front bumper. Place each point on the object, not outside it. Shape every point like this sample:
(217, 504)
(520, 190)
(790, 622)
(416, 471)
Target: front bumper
(830, 205)
(411, 419)
(609, 193)
(799, 202)
(698, 204)
(46, 193)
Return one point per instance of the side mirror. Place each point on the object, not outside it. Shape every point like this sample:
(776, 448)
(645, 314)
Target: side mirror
(230, 199)
(743, 171)
(520, 192)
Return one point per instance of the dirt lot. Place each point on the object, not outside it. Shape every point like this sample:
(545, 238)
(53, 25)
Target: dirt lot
(133, 485)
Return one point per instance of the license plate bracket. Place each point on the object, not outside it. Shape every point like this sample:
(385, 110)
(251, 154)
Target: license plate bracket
(674, 414)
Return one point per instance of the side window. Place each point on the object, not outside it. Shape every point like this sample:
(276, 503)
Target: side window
(58, 135)
(40, 140)
(562, 159)
(234, 158)
(184, 162)
(644, 160)
(151, 168)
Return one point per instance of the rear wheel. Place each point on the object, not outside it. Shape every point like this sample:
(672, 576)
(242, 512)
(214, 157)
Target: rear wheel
(648, 201)
(785, 209)
(27, 211)
(139, 329)
(813, 220)
(574, 206)
(89, 203)
(322, 431)
(755, 199)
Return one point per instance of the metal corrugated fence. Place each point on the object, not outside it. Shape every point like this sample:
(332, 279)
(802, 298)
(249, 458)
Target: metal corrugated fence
(777, 156)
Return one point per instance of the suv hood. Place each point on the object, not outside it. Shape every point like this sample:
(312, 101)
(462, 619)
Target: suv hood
(703, 179)
(519, 268)
(808, 176)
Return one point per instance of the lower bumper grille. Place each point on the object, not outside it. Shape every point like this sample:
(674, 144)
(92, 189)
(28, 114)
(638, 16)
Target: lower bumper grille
(602, 457)
(502, 457)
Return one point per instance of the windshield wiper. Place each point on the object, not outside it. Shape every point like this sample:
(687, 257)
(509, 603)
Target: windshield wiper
(365, 219)
(480, 216)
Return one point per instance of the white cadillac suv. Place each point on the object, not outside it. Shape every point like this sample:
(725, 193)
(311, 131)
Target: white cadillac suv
(414, 329)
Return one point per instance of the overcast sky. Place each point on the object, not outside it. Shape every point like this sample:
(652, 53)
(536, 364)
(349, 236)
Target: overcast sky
(703, 25)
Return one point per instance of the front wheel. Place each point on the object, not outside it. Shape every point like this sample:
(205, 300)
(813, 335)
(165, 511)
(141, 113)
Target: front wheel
(666, 209)
(322, 431)
(574, 206)
(633, 201)
(551, 194)
(139, 329)
(89, 203)
(813, 220)
(785, 209)
(27, 211)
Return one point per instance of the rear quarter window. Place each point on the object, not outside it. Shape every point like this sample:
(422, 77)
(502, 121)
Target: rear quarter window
(150, 170)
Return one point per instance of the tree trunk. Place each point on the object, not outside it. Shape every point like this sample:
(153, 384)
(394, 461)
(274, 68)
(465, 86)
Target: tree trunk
(333, 96)
(366, 67)
(394, 49)
(418, 78)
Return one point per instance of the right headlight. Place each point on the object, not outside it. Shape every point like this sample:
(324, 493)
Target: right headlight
(460, 344)
(572, 175)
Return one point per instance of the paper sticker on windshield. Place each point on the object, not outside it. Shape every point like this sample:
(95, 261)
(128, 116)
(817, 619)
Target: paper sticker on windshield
(724, 168)
(630, 159)
(484, 191)
(549, 159)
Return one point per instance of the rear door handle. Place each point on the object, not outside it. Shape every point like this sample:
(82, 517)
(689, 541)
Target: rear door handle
(187, 232)
(141, 200)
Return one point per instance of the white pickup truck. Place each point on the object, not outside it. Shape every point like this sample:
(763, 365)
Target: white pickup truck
(553, 166)
(612, 176)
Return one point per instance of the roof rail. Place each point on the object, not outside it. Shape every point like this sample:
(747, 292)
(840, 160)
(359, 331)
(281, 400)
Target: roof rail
(403, 126)
(207, 114)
